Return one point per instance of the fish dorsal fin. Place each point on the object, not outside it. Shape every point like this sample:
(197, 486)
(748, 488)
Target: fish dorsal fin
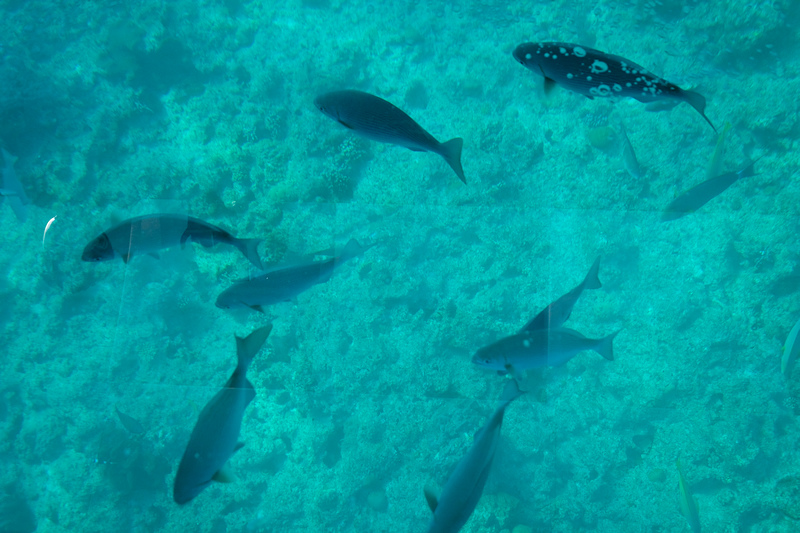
(431, 498)
(223, 475)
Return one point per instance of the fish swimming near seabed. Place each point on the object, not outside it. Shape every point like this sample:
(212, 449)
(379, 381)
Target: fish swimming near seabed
(283, 284)
(465, 486)
(215, 437)
(555, 314)
(596, 74)
(699, 195)
(689, 507)
(12, 188)
(540, 348)
(629, 160)
(376, 119)
(149, 234)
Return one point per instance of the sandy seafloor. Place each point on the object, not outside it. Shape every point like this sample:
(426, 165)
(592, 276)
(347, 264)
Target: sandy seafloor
(366, 392)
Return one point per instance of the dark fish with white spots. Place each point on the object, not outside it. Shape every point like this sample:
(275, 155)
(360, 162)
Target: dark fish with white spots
(539, 348)
(149, 234)
(555, 314)
(465, 486)
(215, 437)
(130, 423)
(699, 195)
(376, 119)
(596, 74)
(12, 188)
(283, 284)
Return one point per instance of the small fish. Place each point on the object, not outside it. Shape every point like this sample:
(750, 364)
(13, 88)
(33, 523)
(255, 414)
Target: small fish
(629, 156)
(689, 506)
(555, 314)
(539, 348)
(12, 188)
(790, 350)
(715, 165)
(129, 423)
(596, 74)
(150, 233)
(215, 437)
(283, 284)
(463, 489)
(699, 195)
(376, 119)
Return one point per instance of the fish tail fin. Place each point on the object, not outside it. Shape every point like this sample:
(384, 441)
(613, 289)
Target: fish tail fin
(249, 248)
(451, 151)
(698, 101)
(591, 281)
(605, 347)
(352, 249)
(248, 347)
(749, 170)
(511, 392)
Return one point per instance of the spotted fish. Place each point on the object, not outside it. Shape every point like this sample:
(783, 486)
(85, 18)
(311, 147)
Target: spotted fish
(596, 74)
(376, 119)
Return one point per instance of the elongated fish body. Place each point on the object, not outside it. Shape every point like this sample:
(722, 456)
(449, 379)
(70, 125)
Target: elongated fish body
(215, 437)
(284, 284)
(555, 314)
(149, 234)
(376, 119)
(699, 195)
(540, 348)
(596, 74)
(689, 507)
(629, 160)
(463, 489)
(791, 349)
(12, 188)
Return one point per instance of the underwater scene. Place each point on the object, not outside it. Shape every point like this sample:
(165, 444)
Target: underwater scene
(327, 266)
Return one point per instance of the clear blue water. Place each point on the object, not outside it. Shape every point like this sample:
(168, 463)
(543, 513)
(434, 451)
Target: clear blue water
(365, 392)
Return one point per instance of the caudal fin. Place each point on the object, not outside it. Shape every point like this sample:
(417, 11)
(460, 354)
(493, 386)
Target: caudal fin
(248, 347)
(591, 281)
(451, 151)
(249, 248)
(604, 346)
(697, 101)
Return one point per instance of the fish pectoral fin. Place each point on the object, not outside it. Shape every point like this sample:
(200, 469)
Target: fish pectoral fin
(126, 257)
(549, 85)
(255, 307)
(431, 498)
(516, 374)
(223, 475)
(154, 255)
(416, 149)
(345, 124)
(501, 372)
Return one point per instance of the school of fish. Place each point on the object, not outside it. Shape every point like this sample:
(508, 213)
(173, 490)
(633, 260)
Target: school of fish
(543, 341)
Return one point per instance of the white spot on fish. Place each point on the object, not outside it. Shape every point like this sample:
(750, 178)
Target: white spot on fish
(628, 84)
(578, 51)
(547, 54)
(563, 50)
(527, 56)
(600, 90)
(617, 87)
(526, 343)
(569, 76)
(598, 67)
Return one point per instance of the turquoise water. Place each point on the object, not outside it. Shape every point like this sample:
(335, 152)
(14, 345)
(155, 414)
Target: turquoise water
(365, 391)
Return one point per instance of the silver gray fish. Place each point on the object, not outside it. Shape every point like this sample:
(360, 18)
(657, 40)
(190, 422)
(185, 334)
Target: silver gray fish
(463, 489)
(283, 284)
(215, 437)
(12, 188)
(555, 314)
(596, 74)
(699, 195)
(149, 234)
(629, 156)
(539, 348)
(376, 119)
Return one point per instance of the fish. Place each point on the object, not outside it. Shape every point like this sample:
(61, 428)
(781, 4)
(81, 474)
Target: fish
(555, 314)
(699, 195)
(12, 188)
(790, 350)
(629, 160)
(689, 507)
(376, 119)
(283, 284)
(130, 423)
(150, 233)
(465, 485)
(215, 437)
(596, 74)
(539, 348)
